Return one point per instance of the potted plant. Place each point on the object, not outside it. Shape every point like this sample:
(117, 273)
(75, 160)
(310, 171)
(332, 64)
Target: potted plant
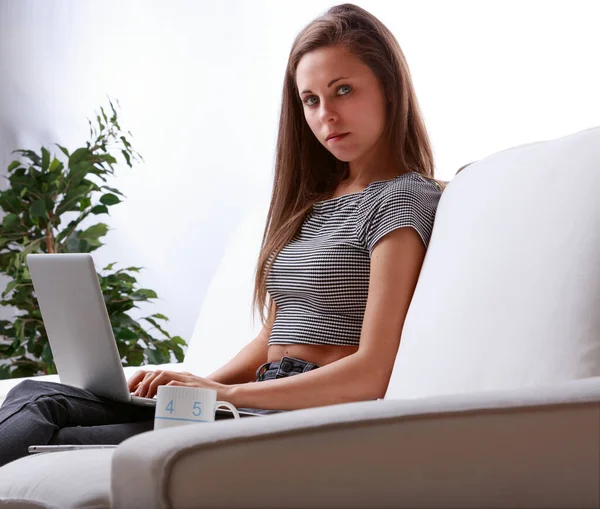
(43, 192)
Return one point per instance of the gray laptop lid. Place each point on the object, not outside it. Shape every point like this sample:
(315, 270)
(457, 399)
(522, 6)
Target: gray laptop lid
(78, 327)
(77, 323)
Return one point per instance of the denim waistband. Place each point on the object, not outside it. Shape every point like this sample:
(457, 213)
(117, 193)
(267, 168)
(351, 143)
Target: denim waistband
(287, 366)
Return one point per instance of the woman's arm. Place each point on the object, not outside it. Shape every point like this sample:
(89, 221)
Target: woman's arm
(396, 263)
(242, 368)
(239, 370)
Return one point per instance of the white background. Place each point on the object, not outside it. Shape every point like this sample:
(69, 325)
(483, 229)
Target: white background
(199, 84)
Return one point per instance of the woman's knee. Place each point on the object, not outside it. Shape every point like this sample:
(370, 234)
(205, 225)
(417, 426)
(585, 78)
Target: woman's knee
(33, 388)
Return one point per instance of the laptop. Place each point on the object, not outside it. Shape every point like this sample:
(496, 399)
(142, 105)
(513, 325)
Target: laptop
(79, 330)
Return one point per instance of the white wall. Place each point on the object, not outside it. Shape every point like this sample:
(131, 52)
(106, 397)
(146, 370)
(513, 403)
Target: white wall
(199, 83)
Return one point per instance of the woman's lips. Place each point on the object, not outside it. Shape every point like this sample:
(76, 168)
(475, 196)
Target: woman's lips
(337, 138)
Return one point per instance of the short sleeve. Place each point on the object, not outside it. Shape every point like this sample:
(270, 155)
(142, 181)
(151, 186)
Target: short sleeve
(402, 203)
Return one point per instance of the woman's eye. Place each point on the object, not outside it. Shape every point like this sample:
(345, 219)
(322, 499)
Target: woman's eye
(307, 100)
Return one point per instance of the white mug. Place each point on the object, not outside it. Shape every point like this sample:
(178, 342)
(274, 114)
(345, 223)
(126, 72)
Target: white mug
(177, 406)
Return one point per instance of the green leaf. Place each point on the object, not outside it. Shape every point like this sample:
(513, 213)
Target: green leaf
(94, 232)
(109, 199)
(32, 247)
(179, 340)
(26, 274)
(122, 320)
(74, 244)
(99, 209)
(63, 150)
(179, 354)
(95, 243)
(131, 269)
(20, 330)
(9, 287)
(34, 347)
(13, 165)
(84, 203)
(4, 372)
(127, 158)
(11, 203)
(135, 358)
(153, 322)
(10, 220)
(47, 356)
(79, 155)
(78, 171)
(125, 334)
(125, 142)
(149, 294)
(114, 117)
(71, 200)
(125, 277)
(160, 317)
(56, 165)
(123, 348)
(108, 159)
(24, 371)
(71, 227)
(155, 356)
(31, 155)
(45, 159)
(38, 209)
(116, 191)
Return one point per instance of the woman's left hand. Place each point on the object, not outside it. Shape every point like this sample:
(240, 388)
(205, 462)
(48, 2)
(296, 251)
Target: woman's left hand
(145, 383)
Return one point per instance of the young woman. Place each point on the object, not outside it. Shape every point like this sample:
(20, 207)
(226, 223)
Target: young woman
(351, 215)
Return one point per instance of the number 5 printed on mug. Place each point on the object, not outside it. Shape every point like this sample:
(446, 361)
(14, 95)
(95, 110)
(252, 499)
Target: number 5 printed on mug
(197, 408)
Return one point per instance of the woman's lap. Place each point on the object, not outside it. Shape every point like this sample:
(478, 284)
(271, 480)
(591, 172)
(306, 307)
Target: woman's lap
(83, 408)
(40, 412)
(107, 434)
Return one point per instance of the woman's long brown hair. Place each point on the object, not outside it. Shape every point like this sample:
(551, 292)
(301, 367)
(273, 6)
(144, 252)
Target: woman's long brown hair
(305, 172)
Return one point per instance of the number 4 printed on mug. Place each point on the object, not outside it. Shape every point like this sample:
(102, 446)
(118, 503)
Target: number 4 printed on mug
(170, 407)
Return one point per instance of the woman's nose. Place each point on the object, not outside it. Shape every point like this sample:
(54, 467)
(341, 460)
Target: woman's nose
(327, 113)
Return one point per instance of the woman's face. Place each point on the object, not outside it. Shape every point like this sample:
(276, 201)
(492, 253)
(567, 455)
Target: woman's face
(354, 104)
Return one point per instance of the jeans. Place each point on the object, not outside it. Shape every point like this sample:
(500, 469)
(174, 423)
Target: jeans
(40, 413)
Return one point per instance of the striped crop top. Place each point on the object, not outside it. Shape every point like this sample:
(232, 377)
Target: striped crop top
(320, 279)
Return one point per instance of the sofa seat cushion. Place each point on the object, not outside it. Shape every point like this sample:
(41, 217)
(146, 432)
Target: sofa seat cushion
(66, 479)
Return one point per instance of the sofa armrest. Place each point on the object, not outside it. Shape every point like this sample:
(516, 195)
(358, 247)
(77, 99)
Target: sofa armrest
(534, 446)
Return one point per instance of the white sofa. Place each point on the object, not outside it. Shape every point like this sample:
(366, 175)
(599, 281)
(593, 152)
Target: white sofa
(494, 398)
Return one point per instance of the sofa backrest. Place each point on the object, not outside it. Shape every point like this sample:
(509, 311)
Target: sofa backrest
(225, 323)
(509, 292)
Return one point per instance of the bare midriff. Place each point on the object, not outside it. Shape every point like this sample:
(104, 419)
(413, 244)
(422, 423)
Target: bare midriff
(317, 354)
